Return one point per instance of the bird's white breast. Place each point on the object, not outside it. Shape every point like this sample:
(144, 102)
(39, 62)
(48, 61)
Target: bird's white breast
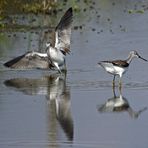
(120, 70)
(114, 69)
(56, 55)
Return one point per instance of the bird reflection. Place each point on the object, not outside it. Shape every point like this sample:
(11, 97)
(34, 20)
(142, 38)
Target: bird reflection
(58, 100)
(119, 104)
(38, 86)
(59, 97)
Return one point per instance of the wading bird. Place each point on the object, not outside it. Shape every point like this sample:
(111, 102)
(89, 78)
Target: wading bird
(55, 55)
(119, 67)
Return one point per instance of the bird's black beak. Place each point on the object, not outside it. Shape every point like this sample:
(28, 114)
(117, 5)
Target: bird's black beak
(142, 58)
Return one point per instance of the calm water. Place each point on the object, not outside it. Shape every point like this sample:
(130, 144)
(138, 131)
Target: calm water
(40, 108)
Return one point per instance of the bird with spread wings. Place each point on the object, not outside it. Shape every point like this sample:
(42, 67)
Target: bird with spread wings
(54, 57)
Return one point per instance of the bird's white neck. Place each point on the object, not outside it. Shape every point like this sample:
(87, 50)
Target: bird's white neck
(129, 59)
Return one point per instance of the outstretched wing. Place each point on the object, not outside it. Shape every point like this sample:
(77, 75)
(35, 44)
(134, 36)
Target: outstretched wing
(29, 60)
(63, 32)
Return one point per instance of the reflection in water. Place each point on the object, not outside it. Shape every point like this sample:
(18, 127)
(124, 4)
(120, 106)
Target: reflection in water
(119, 104)
(30, 86)
(59, 103)
(58, 100)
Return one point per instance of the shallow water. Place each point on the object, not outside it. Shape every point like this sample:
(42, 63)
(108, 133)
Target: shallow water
(40, 108)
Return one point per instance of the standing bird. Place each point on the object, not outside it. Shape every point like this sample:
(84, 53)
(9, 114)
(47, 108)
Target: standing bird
(119, 67)
(55, 55)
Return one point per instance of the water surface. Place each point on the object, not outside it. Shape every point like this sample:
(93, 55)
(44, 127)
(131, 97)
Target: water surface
(41, 108)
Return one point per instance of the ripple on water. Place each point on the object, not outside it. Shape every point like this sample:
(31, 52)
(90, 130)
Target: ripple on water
(90, 85)
(62, 144)
(136, 85)
(95, 85)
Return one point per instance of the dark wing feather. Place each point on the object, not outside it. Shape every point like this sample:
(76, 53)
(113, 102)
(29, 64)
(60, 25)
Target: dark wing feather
(120, 63)
(63, 32)
(28, 61)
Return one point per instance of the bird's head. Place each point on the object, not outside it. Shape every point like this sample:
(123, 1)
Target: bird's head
(48, 44)
(135, 54)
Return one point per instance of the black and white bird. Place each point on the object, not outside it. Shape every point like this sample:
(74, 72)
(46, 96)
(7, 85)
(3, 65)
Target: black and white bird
(55, 55)
(119, 67)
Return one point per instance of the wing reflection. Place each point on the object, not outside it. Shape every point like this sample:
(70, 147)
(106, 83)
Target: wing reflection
(58, 100)
(30, 86)
(119, 104)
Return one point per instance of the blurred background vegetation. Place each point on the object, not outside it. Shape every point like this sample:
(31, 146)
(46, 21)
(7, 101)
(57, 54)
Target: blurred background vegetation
(21, 13)
(25, 6)
(34, 6)
(10, 8)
